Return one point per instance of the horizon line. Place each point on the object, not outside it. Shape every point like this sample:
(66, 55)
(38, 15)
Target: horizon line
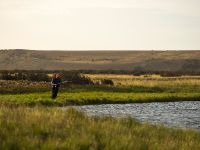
(105, 49)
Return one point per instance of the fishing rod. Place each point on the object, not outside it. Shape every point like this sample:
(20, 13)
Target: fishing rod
(66, 81)
(61, 83)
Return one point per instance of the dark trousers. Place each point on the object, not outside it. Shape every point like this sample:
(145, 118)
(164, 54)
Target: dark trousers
(55, 91)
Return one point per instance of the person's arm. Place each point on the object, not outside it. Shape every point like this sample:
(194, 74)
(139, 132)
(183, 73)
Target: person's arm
(52, 81)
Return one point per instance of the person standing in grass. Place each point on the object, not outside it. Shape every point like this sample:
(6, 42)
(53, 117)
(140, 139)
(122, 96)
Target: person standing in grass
(56, 81)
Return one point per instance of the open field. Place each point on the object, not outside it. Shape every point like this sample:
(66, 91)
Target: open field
(149, 80)
(53, 128)
(126, 89)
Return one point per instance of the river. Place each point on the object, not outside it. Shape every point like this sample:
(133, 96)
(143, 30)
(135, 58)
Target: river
(184, 114)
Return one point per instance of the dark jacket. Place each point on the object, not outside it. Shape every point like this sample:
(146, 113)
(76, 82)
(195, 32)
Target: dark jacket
(56, 81)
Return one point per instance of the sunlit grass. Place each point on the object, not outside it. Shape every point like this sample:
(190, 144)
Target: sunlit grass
(148, 80)
(94, 97)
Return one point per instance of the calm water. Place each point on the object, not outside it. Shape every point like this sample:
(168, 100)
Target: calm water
(176, 114)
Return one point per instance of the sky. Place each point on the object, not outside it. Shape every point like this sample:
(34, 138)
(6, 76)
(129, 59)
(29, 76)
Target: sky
(100, 24)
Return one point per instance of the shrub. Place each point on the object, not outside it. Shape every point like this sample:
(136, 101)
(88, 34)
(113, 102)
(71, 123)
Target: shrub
(76, 78)
(107, 82)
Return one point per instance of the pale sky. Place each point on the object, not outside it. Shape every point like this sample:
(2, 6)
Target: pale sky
(100, 24)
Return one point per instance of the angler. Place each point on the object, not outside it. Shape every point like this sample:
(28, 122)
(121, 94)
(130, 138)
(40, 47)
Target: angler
(55, 83)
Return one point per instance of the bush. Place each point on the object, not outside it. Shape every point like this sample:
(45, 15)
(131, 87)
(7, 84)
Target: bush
(107, 82)
(27, 75)
(76, 78)
(73, 77)
(38, 77)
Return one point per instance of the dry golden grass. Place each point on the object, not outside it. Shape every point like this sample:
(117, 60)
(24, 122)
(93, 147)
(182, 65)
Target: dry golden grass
(147, 80)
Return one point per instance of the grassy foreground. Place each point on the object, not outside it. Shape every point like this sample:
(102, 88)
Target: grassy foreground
(54, 128)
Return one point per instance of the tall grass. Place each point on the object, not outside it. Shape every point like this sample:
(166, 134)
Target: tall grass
(53, 128)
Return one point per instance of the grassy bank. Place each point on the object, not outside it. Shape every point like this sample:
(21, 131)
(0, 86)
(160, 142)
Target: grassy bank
(53, 128)
(93, 97)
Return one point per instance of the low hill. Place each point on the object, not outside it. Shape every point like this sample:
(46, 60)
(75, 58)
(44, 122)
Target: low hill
(100, 60)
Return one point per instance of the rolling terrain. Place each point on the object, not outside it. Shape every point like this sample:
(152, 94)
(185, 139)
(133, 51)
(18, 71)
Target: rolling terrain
(100, 60)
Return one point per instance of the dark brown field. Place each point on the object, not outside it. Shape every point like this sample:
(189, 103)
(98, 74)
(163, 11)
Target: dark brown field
(100, 60)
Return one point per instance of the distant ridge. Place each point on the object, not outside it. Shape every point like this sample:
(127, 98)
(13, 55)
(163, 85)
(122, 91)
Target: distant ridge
(100, 60)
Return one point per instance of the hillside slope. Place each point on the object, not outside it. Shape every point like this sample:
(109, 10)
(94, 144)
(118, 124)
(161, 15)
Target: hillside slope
(100, 60)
